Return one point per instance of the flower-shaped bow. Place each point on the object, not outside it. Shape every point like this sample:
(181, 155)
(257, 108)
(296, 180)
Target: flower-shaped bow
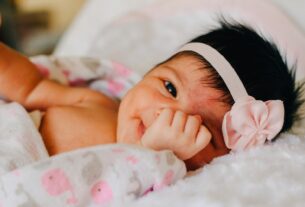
(251, 122)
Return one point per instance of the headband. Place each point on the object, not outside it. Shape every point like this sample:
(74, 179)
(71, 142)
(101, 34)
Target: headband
(250, 122)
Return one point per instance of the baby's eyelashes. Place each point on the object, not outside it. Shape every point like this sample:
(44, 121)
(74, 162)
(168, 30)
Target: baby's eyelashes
(170, 88)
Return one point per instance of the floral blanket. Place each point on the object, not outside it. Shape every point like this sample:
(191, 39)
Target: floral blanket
(107, 175)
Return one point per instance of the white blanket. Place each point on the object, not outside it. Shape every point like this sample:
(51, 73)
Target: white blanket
(20, 141)
(266, 176)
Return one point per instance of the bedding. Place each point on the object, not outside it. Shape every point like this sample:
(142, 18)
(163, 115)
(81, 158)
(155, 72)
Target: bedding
(107, 175)
(272, 175)
(21, 143)
(154, 30)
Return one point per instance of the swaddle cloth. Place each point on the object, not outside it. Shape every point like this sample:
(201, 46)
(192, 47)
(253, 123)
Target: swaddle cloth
(20, 142)
(106, 175)
(107, 76)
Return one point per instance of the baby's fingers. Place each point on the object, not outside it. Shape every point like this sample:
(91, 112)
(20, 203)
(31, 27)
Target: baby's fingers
(203, 138)
(192, 125)
(179, 121)
(165, 117)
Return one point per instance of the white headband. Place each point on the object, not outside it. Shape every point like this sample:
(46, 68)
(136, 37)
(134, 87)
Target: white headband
(221, 65)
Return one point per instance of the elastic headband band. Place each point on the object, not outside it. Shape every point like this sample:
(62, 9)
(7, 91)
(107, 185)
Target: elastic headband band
(221, 65)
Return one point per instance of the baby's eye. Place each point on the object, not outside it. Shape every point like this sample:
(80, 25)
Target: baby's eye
(170, 88)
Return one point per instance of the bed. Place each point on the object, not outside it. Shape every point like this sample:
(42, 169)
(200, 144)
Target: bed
(272, 175)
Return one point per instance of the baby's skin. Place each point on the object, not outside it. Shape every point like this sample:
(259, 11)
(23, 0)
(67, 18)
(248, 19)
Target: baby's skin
(170, 108)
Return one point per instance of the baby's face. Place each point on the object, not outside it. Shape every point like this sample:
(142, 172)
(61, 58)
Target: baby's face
(175, 84)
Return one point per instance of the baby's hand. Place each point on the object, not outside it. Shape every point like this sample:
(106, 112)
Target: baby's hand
(177, 131)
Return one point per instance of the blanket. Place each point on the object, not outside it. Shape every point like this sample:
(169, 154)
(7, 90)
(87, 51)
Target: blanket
(107, 175)
(271, 175)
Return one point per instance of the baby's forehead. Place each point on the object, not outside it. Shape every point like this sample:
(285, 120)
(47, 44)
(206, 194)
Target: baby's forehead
(183, 63)
(190, 69)
(186, 59)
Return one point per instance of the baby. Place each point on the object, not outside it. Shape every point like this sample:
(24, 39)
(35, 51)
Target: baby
(196, 103)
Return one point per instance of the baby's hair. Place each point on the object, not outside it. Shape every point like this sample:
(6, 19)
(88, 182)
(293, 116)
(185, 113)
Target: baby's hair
(257, 62)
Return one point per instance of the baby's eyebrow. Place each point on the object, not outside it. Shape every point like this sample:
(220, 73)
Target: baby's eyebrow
(175, 73)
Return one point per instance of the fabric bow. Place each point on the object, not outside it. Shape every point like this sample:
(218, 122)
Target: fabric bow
(251, 122)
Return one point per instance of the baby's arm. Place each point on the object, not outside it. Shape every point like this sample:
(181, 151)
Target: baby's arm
(183, 134)
(18, 76)
(21, 81)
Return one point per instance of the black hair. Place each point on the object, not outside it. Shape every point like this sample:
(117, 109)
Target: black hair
(258, 63)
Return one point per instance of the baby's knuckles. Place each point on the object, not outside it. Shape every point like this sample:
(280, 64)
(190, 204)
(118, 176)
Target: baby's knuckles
(184, 143)
(184, 147)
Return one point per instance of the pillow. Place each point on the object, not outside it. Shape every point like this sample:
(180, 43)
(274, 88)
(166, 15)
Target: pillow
(142, 35)
(95, 15)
